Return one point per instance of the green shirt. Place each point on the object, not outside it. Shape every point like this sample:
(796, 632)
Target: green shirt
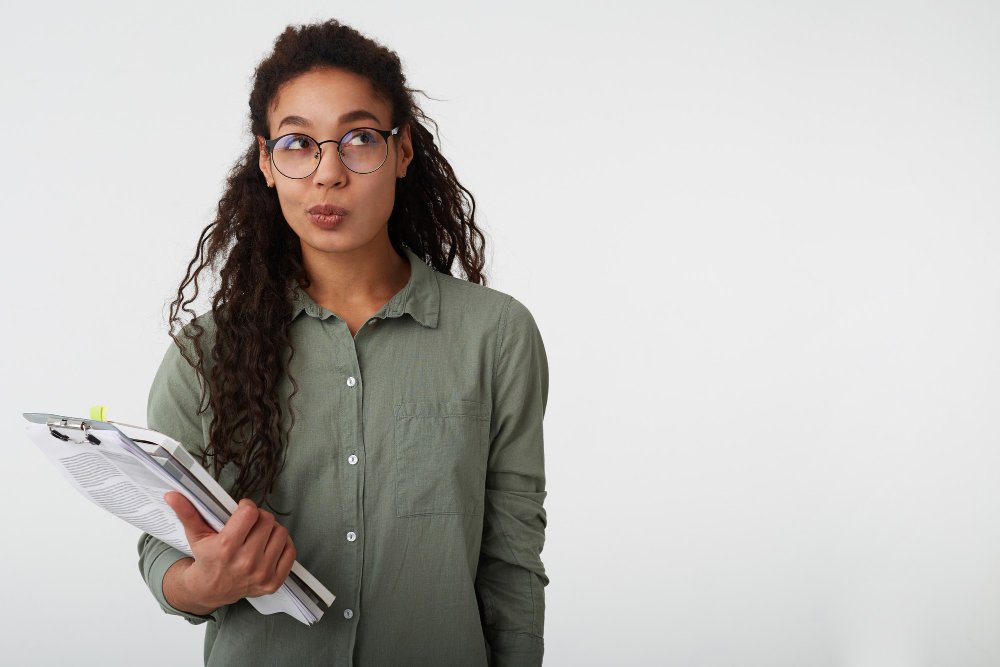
(415, 479)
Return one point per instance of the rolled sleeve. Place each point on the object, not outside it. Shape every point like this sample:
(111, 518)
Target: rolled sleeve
(155, 558)
(172, 409)
(511, 577)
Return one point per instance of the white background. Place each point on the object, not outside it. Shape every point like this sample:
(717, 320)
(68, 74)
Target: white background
(760, 241)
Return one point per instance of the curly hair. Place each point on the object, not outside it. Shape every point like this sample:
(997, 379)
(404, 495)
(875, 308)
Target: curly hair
(259, 257)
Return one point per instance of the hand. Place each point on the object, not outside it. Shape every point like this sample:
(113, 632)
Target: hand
(251, 556)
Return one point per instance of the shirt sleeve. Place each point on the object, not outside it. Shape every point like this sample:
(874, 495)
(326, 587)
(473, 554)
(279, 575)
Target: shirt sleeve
(172, 409)
(511, 578)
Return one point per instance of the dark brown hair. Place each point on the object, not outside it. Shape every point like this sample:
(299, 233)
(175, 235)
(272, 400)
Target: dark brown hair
(258, 256)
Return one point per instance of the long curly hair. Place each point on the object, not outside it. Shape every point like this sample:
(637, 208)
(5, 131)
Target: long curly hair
(258, 256)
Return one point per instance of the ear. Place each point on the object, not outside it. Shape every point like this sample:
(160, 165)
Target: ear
(264, 162)
(405, 153)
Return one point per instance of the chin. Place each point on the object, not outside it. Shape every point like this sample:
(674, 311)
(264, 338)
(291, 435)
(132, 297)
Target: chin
(329, 245)
(338, 240)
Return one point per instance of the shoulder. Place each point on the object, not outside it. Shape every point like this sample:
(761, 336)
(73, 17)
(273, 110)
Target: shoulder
(505, 314)
(181, 354)
(456, 291)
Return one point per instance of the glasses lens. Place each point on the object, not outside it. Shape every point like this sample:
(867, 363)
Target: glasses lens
(295, 155)
(363, 150)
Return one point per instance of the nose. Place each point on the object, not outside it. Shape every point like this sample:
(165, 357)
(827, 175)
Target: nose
(331, 169)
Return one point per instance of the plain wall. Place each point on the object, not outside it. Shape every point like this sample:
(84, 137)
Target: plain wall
(760, 241)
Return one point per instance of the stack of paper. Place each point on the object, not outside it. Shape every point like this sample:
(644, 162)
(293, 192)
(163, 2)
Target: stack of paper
(126, 470)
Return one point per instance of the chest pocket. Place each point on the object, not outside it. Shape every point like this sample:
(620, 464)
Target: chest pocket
(441, 451)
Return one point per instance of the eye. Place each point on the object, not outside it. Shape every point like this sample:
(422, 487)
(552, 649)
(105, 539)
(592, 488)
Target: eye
(294, 142)
(360, 138)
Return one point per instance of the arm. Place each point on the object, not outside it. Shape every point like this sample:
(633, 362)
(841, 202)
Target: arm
(172, 409)
(511, 577)
(252, 554)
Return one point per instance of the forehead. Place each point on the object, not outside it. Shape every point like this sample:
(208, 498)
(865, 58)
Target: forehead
(322, 96)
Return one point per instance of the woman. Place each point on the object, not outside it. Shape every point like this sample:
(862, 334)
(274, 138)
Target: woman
(389, 413)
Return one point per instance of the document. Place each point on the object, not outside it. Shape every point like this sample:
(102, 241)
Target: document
(126, 469)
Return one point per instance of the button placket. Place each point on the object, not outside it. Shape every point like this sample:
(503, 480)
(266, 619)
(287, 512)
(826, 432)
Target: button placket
(353, 514)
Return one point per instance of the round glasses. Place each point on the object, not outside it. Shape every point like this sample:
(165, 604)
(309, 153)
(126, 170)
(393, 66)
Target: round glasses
(362, 150)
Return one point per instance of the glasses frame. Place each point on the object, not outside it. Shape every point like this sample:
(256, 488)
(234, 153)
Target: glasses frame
(385, 134)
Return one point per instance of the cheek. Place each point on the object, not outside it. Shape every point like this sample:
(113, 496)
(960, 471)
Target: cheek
(386, 196)
(291, 199)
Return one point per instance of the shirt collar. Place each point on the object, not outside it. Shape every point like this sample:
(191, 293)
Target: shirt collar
(420, 297)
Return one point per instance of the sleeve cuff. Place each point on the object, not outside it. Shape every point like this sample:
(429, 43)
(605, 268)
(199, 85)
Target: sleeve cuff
(157, 567)
(515, 649)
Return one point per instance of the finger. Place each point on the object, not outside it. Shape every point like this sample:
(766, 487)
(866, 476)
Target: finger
(194, 526)
(275, 547)
(257, 538)
(285, 561)
(241, 522)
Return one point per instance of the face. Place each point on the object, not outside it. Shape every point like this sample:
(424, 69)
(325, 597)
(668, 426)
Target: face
(326, 104)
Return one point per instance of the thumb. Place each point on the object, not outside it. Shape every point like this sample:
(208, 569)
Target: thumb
(194, 526)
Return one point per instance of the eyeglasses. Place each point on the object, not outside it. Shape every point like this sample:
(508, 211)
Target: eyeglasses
(362, 150)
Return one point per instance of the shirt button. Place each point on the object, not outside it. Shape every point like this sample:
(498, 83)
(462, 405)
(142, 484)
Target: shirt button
(351, 536)
(351, 381)
(348, 613)
(352, 459)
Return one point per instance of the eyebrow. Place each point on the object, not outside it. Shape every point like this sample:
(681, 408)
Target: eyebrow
(349, 117)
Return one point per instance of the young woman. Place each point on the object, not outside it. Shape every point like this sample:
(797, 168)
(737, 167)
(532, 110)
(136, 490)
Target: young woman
(388, 413)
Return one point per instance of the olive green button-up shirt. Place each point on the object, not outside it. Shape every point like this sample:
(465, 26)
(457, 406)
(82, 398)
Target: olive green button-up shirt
(415, 480)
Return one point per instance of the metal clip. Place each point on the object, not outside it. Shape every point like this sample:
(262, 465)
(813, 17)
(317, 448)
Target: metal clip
(71, 423)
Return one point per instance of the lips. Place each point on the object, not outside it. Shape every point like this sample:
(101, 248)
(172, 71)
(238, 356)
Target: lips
(327, 216)
(327, 209)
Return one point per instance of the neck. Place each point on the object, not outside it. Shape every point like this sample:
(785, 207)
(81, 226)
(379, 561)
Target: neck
(372, 273)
